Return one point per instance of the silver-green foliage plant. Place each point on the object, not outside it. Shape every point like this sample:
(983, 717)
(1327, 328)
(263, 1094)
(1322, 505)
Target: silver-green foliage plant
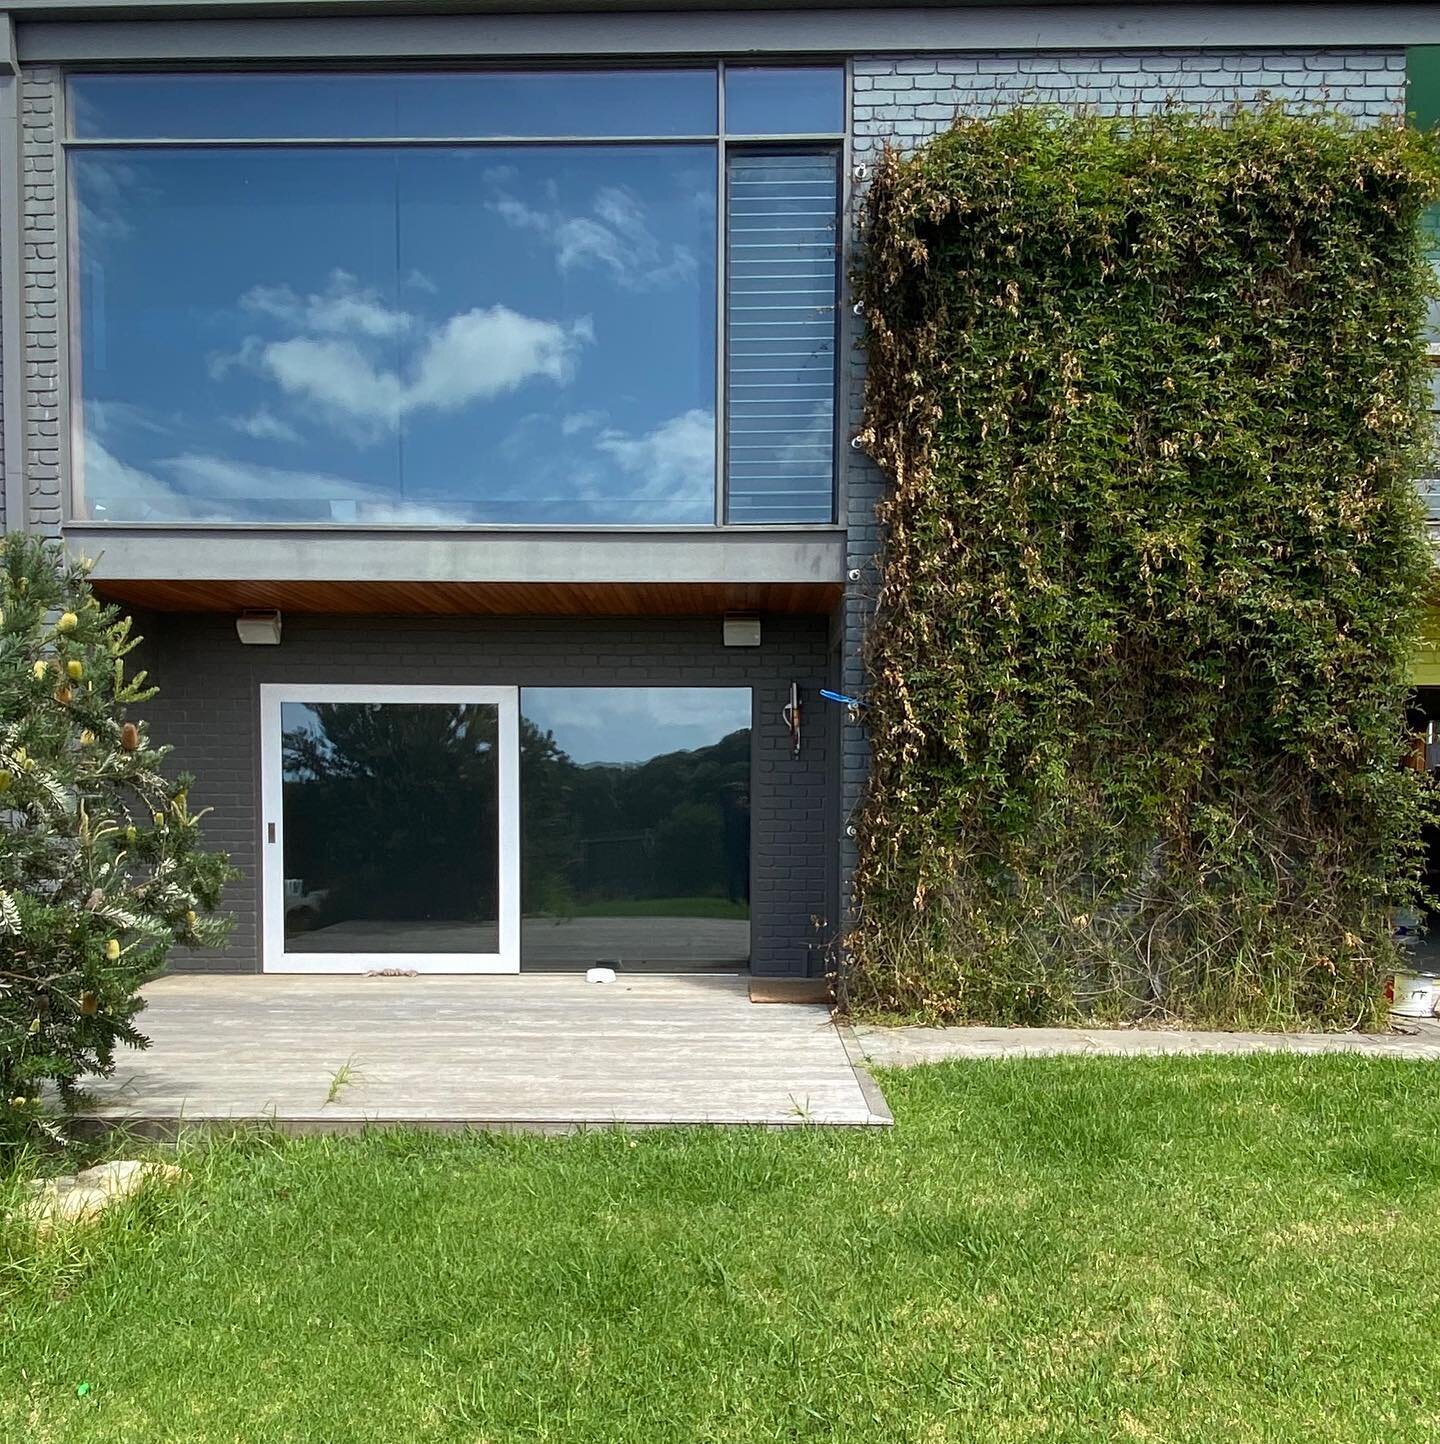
(1151, 394)
(102, 869)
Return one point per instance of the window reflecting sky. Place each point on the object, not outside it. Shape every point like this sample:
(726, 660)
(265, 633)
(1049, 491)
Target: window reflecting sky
(443, 105)
(634, 724)
(436, 335)
(784, 100)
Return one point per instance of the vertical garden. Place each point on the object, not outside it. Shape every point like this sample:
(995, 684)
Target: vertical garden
(1150, 394)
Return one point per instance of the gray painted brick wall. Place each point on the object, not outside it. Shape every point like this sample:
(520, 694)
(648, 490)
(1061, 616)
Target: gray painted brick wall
(40, 237)
(906, 99)
(209, 710)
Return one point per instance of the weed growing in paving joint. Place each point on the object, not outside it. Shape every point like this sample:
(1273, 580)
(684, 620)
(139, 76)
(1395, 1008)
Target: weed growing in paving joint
(345, 1076)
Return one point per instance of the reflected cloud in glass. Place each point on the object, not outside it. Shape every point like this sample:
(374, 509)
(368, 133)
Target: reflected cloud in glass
(431, 336)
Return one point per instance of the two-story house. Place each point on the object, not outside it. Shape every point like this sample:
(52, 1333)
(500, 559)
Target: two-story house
(462, 399)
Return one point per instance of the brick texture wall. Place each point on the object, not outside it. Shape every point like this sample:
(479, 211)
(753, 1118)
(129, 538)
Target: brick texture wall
(209, 711)
(40, 223)
(905, 99)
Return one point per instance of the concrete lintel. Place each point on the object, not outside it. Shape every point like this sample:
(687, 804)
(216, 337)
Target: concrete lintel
(274, 29)
(279, 555)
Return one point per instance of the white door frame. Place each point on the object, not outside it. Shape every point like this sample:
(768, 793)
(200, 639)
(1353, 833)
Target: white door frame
(274, 957)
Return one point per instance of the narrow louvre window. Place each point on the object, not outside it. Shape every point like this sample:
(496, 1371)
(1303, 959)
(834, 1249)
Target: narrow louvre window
(780, 336)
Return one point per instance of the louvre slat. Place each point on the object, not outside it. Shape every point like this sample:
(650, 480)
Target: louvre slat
(780, 325)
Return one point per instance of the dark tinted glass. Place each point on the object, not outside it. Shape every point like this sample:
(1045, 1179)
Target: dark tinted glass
(780, 337)
(427, 336)
(768, 100)
(443, 105)
(391, 828)
(635, 825)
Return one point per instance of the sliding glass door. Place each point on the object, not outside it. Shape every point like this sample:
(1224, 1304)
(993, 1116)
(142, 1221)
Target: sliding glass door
(391, 829)
(635, 826)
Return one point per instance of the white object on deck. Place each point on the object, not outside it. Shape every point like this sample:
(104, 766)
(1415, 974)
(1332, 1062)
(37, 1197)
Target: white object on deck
(600, 975)
(1416, 995)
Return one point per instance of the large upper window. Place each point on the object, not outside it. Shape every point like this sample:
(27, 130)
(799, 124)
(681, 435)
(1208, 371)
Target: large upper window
(455, 299)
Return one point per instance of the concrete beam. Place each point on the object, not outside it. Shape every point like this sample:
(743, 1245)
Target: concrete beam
(732, 557)
(273, 33)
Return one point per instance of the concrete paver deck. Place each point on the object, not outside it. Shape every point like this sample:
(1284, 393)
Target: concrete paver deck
(534, 1050)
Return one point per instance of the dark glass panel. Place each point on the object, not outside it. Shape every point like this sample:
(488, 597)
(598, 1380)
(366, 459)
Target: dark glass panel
(443, 105)
(391, 828)
(429, 336)
(635, 825)
(1422, 85)
(776, 100)
(780, 337)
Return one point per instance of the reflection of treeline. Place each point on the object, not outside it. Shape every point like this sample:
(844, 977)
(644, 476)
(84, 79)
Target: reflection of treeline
(391, 811)
(677, 825)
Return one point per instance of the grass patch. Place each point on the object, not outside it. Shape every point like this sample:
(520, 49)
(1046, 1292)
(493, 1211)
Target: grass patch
(1059, 1250)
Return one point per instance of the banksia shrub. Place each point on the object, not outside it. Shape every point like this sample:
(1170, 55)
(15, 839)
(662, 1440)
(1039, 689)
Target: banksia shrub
(101, 865)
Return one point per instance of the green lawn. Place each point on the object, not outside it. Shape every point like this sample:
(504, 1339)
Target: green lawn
(1092, 1249)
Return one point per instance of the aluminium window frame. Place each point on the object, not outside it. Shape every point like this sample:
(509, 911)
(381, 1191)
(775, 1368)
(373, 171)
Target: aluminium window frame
(270, 825)
(837, 143)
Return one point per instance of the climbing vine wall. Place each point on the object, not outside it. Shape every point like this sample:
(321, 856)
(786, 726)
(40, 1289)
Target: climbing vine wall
(1150, 396)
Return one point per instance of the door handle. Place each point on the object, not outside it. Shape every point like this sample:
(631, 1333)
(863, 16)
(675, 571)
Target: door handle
(270, 831)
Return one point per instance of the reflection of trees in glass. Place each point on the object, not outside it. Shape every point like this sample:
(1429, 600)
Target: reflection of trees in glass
(391, 813)
(675, 826)
(390, 810)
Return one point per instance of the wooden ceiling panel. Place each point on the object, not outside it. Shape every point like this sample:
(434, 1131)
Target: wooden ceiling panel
(457, 599)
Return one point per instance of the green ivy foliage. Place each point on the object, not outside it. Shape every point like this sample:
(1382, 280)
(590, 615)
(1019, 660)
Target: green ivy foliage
(1151, 395)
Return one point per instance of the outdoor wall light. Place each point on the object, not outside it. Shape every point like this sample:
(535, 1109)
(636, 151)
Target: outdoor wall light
(258, 629)
(741, 631)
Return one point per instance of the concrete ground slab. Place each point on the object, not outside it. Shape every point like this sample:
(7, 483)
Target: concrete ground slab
(901, 1047)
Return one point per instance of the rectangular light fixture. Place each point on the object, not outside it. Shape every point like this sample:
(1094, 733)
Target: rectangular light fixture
(258, 629)
(741, 631)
